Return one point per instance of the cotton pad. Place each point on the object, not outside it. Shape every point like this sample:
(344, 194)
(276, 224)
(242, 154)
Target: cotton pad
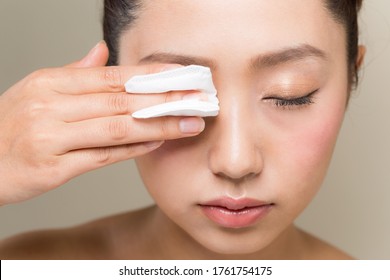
(191, 77)
(179, 108)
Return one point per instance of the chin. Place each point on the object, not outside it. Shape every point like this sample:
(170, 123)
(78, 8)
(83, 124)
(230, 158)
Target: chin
(235, 242)
(229, 250)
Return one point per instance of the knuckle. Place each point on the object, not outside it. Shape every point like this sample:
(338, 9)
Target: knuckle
(118, 103)
(167, 130)
(130, 150)
(35, 107)
(39, 78)
(113, 78)
(118, 129)
(50, 173)
(50, 167)
(37, 159)
(103, 156)
(126, 151)
(39, 140)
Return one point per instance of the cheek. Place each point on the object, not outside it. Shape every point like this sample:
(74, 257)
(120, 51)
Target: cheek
(312, 148)
(306, 149)
(319, 138)
(166, 171)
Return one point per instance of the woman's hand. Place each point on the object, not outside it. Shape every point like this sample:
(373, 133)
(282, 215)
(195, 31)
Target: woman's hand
(56, 124)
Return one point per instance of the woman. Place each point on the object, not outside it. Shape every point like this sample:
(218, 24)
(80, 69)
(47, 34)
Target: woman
(226, 187)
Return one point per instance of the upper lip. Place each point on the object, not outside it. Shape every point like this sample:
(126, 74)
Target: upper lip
(235, 204)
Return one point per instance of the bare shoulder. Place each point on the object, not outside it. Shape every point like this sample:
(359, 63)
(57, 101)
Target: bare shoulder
(93, 240)
(321, 250)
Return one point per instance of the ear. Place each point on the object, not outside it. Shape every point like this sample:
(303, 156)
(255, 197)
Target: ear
(360, 57)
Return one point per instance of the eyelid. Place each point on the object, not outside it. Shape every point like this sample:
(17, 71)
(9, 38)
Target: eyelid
(289, 97)
(285, 89)
(292, 103)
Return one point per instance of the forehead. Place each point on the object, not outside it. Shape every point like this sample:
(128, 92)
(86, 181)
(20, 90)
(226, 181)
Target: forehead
(221, 27)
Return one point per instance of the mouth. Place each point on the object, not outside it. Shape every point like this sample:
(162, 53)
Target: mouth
(232, 213)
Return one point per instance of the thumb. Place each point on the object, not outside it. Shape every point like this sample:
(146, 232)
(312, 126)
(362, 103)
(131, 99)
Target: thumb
(96, 57)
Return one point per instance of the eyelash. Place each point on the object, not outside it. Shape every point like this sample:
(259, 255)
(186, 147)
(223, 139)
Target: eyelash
(293, 102)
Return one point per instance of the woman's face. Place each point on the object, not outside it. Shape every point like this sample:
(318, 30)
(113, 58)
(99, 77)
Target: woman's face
(280, 70)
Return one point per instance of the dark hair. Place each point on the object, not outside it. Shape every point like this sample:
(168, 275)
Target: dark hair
(346, 12)
(119, 15)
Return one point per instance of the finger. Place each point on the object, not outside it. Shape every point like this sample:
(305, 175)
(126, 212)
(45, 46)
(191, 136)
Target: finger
(88, 106)
(97, 56)
(120, 130)
(82, 161)
(92, 80)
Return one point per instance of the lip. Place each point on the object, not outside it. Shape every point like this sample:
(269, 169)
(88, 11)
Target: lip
(235, 213)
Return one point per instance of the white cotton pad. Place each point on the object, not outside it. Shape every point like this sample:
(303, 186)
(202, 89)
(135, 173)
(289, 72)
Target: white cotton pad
(191, 77)
(179, 108)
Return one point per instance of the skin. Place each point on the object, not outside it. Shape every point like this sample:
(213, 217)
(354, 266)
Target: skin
(253, 149)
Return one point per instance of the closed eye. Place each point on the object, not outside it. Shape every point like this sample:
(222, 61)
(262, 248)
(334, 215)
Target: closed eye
(292, 103)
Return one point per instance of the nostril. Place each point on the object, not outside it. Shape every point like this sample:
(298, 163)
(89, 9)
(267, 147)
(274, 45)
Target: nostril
(235, 166)
(237, 180)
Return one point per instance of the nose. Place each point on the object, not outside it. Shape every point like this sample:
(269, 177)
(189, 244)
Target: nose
(235, 153)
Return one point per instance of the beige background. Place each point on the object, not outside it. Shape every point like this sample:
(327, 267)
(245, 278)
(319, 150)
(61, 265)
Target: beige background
(352, 210)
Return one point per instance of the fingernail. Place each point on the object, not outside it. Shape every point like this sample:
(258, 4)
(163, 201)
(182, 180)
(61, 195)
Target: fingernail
(89, 57)
(96, 47)
(153, 144)
(191, 125)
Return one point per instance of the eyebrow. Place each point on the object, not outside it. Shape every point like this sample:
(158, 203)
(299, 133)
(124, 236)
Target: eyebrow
(266, 60)
(288, 55)
(164, 57)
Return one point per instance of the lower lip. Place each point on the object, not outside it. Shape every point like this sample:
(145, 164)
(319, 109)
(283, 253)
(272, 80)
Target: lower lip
(236, 218)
